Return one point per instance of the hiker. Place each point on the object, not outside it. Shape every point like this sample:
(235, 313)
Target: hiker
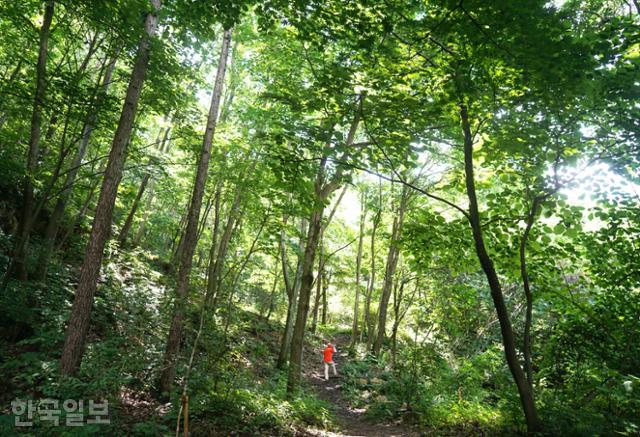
(329, 350)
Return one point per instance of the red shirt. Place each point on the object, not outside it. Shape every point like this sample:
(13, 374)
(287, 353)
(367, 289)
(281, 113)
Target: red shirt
(328, 353)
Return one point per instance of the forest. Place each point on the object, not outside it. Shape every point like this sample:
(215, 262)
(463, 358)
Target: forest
(205, 203)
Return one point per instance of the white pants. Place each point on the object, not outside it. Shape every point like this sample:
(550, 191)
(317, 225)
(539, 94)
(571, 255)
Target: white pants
(326, 370)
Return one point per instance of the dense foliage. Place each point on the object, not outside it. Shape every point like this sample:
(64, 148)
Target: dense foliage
(197, 195)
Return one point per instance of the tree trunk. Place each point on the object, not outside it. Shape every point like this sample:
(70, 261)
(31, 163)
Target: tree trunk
(178, 237)
(204, 218)
(392, 262)
(398, 290)
(368, 318)
(323, 190)
(19, 259)
(297, 340)
(61, 203)
(217, 263)
(215, 229)
(189, 240)
(321, 261)
(508, 341)
(316, 304)
(81, 213)
(48, 136)
(394, 344)
(146, 183)
(79, 217)
(137, 238)
(325, 288)
(64, 149)
(356, 304)
(124, 232)
(236, 277)
(285, 342)
(81, 311)
(146, 179)
(274, 289)
(398, 314)
(527, 291)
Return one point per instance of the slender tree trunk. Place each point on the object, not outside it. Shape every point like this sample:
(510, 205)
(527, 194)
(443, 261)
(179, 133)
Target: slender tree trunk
(215, 229)
(527, 291)
(321, 260)
(238, 274)
(325, 288)
(178, 237)
(79, 217)
(189, 240)
(274, 289)
(61, 203)
(316, 304)
(64, 151)
(216, 265)
(124, 232)
(137, 238)
(146, 181)
(48, 136)
(394, 344)
(292, 295)
(356, 304)
(53, 125)
(176, 248)
(48, 187)
(524, 389)
(19, 259)
(150, 193)
(392, 262)
(205, 217)
(81, 311)
(398, 295)
(368, 318)
(203, 311)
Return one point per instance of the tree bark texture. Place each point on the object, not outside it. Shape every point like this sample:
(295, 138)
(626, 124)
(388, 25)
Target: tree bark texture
(81, 311)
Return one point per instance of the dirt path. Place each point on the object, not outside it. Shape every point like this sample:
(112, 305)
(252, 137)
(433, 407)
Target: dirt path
(351, 421)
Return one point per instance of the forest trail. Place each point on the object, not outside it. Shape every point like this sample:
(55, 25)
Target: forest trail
(351, 420)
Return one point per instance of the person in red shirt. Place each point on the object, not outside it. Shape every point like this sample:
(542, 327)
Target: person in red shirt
(328, 352)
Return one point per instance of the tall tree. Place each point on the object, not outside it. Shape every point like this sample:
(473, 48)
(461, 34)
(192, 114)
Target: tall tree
(190, 235)
(78, 325)
(19, 261)
(508, 339)
(324, 186)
